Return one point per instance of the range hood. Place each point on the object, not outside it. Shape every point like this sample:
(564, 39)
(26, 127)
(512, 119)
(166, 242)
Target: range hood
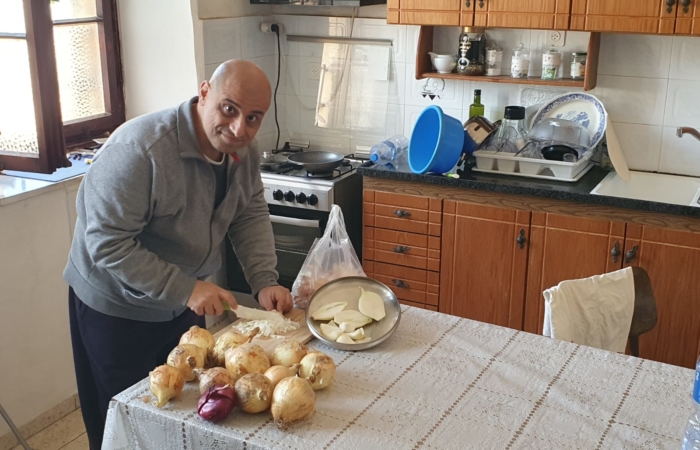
(353, 3)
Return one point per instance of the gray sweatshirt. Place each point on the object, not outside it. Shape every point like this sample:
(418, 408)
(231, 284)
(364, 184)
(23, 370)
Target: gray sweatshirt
(147, 228)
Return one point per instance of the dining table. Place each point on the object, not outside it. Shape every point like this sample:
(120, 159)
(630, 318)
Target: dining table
(442, 382)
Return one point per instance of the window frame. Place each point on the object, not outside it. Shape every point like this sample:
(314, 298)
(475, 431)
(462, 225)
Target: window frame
(53, 135)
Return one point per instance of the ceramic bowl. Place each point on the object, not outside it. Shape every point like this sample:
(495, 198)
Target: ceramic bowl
(443, 63)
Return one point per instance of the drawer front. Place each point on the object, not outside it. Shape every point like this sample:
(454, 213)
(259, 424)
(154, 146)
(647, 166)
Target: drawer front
(414, 214)
(418, 305)
(404, 249)
(415, 285)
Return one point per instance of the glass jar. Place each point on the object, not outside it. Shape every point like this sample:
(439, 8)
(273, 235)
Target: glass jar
(494, 60)
(578, 65)
(520, 65)
(472, 52)
(551, 62)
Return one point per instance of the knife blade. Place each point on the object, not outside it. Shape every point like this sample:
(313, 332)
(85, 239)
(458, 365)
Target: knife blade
(243, 312)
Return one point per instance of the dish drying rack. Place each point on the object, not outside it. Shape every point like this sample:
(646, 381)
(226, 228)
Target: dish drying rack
(489, 161)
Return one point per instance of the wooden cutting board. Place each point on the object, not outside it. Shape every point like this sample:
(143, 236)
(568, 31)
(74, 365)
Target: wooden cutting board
(302, 335)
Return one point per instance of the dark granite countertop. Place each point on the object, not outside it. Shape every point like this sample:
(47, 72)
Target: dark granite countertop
(579, 191)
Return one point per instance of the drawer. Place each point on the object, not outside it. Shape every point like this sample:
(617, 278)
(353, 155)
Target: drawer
(404, 249)
(413, 214)
(415, 285)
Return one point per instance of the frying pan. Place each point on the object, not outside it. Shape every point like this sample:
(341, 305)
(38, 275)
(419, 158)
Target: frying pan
(317, 162)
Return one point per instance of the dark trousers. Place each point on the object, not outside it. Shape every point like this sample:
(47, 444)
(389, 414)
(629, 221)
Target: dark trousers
(112, 354)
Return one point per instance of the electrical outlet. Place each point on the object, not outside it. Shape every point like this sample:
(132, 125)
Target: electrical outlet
(266, 27)
(313, 71)
(556, 38)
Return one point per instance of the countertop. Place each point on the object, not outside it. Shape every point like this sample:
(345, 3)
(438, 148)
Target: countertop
(576, 192)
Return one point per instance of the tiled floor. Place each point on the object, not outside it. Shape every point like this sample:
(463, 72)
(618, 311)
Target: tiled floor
(66, 434)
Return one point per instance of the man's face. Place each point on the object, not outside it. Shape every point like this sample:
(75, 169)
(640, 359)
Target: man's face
(231, 116)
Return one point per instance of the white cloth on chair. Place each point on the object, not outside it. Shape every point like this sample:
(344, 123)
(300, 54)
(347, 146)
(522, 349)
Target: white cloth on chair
(595, 311)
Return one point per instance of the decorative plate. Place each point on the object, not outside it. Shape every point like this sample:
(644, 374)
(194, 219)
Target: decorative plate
(579, 107)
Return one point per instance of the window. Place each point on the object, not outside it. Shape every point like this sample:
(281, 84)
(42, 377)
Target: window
(60, 79)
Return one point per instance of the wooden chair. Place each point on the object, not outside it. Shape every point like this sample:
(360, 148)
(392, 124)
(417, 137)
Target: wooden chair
(645, 315)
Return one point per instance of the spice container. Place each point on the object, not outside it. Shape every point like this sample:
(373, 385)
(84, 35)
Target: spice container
(494, 60)
(551, 62)
(520, 65)
(578, 65)
(472, 52)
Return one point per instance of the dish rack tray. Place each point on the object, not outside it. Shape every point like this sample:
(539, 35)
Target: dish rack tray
(508, 164)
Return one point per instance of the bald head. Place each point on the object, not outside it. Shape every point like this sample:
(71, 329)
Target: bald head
(232, 105)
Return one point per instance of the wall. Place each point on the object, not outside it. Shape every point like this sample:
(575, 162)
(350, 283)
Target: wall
(649, 84)
(158, 53)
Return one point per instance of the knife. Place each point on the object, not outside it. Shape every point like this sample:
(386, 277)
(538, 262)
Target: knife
(243, 312)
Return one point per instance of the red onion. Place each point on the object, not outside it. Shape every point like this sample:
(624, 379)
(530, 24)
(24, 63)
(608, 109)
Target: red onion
(217, 403)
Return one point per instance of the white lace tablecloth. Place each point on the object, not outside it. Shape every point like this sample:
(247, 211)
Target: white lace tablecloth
(444, 383)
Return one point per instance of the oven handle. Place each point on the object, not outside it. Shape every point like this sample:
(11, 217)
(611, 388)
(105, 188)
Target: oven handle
(296, 222)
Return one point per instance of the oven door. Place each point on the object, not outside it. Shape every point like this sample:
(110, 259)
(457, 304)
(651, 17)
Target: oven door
(295, 231)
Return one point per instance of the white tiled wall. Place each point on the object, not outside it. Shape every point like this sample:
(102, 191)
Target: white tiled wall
(649, 84)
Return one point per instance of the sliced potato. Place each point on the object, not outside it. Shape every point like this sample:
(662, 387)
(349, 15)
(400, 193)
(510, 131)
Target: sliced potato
(371, 305)
(328, 311)
(345, 339)
(330, 332)
(347, 327)
(356, 318)
(357, 334)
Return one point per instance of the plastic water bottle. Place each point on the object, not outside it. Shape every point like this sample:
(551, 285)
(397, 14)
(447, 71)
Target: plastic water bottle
(391, 151)
(691, 441)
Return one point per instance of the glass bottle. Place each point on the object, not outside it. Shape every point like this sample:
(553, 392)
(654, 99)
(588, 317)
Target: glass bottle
(511, 134)
(578, 65)
(551, 62)
(476, 108)
(494, 60)
(520, 66)
(472, 52)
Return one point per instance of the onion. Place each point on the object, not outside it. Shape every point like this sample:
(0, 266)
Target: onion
(292, 400)
(211, 377)
(216, 403)
(166, 382)
(288, 353)
(277, 373)
(187, 357)
(319, 369)
(199, 337)
(254, 393)
(245, 359)
(230, 339)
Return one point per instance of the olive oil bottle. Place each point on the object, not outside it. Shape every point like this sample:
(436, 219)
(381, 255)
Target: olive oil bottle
(476, 108)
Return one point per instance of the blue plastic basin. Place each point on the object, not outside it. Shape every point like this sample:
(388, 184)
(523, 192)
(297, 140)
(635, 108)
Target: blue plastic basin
(436, 142)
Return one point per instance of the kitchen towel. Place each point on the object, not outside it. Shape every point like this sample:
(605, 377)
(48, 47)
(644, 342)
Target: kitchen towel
(595, 311)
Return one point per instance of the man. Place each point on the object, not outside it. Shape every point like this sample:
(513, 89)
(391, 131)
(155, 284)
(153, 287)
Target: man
(153, 211)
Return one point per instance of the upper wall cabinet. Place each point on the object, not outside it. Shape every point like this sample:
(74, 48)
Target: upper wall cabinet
(533, 14)
(431, 12)
(688, 17)
(637, 16)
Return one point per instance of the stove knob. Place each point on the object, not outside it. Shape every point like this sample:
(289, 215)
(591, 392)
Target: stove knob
(313, 200)
(289, 196)
(277, 195)
(301, 197)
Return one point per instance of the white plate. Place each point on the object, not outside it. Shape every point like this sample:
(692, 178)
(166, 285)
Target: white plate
(579, 107)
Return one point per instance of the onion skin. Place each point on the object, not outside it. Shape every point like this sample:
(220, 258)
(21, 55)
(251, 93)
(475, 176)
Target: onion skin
(212, 377)
(319, 369)
(187, 357)
(166, 382)
(217, 403)
(254, 393)
(199, 337)
(245, 359)
(278, 373)
(288, 353)
(292, 400)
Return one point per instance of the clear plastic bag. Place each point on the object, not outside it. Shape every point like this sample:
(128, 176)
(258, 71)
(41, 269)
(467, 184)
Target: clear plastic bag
(331, 257)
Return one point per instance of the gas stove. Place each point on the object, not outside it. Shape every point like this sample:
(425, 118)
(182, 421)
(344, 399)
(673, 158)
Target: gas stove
(296, 188)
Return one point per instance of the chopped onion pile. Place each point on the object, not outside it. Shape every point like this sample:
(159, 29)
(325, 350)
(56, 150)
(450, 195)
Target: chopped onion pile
(267, 328)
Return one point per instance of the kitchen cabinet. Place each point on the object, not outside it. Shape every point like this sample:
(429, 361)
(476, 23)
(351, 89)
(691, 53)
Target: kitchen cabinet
(484, 263)
(567, 248)
(499, 252)
(688, 17)
(625, 16)
(431, 12)
(532, 14)
(672, 259)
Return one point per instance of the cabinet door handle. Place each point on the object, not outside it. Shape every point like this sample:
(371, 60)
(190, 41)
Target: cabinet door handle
(669, 4)
(630, 255)
(468, 3)
(401, 249)
(402, 213)
(401, 284)
(521, 239)
(615, 252)
(686, 6)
